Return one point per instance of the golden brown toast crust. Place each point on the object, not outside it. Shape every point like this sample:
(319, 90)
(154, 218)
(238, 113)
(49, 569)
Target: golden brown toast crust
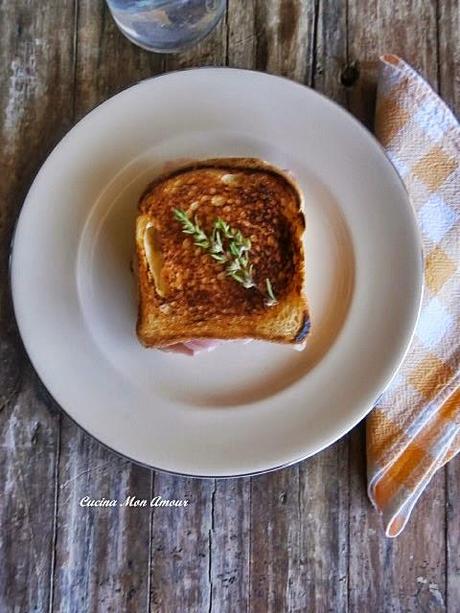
(200, 300)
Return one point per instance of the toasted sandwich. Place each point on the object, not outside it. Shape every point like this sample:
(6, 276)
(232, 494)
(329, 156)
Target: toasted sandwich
(220, 256)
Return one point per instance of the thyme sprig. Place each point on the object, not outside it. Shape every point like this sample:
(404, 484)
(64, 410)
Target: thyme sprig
(188, 227)
(227, 246)
(271, 300)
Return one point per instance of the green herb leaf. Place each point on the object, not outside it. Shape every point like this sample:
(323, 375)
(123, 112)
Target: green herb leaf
(219, 257)
(237, 277)
(234, 250)
(271, 300)
(234, 253)
(233, 266)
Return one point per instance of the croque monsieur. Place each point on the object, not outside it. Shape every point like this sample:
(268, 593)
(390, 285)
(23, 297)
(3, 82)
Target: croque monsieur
(220, 257)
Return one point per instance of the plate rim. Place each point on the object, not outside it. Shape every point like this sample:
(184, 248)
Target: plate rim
(415, 306)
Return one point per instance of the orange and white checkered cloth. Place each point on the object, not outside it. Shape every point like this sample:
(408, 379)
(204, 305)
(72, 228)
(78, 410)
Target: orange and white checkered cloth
(415, 426)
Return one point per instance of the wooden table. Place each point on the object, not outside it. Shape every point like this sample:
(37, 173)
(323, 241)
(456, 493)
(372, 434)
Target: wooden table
(300, 539)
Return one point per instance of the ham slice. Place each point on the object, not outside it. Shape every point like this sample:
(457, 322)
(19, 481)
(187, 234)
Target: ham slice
(192, 347)
(197, 346)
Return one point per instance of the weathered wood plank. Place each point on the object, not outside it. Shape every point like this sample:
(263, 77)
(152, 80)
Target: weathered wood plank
(276, 564)
(231, 502)
(294, 510)
(299, 536)
(101, 552)
(230, 545)
(209, 52)
(296, 571)
(274, 37)
(181, 575)
(449, 52)
(453, 535)
(324, 509)
(28, 443)
(285, 38)
(408, 573)
(379, 26)
(449, 88)
(242, 33)
(35, 98)
(102, 555)
(324, 478)
(184, 559)
(403, 574)
(32, 58)
(106, 61)
(330, 51)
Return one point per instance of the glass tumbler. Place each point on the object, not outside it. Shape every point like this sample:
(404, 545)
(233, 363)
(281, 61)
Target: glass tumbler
(166, 26)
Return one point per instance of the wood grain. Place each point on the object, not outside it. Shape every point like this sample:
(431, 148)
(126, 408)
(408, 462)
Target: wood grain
(105, 61)
(403, 574)
(102, 555)
(230, 545)
(183, 556)
(259, 34)
(35, 98)
(302, 539)
(275, 561)
(295, 511)
(379, 26)
(28, 443)
(182, 547)
(453, 535)
(409, 572)
(449, 88)
(325, 478)
(448, 16)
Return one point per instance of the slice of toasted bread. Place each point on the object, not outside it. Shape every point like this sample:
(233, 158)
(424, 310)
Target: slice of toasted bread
(185, 294)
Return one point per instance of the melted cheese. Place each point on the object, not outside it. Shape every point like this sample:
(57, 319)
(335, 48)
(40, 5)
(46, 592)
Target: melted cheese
(154, 259)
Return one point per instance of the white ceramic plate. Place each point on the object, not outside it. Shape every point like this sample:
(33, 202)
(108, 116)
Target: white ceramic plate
(243, 408)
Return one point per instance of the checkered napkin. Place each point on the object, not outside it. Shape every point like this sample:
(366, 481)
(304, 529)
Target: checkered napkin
(415, 426)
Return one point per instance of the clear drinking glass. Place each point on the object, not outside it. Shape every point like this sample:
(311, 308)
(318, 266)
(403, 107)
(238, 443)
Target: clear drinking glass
(166, 26)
